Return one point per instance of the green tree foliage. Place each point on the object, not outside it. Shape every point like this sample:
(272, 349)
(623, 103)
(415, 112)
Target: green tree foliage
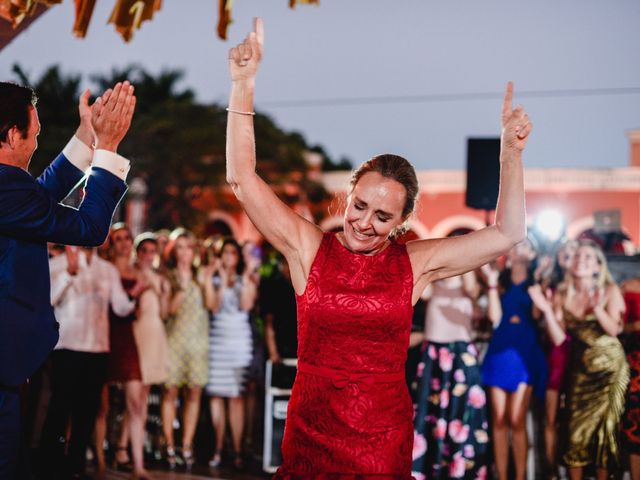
(175, 144)
(329, 165)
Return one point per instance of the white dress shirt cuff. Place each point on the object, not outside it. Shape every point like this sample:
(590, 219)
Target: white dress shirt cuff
(78, 153)
(112, 162)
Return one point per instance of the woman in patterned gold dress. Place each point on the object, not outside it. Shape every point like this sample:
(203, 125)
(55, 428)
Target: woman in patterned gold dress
(188, 338)
(589, 307)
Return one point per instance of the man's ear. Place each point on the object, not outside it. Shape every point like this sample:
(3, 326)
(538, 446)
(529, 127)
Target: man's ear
(13, 135)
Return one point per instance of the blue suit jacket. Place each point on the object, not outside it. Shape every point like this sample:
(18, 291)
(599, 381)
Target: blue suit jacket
(31, 216)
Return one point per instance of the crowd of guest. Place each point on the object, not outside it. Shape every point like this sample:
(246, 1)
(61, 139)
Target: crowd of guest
(196, 319)
(161, 309)
(557, 327)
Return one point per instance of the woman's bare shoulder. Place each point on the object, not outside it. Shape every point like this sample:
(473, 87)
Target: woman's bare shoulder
(631, 285)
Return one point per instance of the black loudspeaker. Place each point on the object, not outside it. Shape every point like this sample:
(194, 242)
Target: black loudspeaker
(483, 173)
(623, 267)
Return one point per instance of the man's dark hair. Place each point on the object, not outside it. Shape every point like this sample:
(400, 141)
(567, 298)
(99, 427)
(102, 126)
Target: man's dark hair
(15, 101)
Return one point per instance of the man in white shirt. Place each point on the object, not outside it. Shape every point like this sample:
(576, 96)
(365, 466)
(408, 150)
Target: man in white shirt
(83, 289)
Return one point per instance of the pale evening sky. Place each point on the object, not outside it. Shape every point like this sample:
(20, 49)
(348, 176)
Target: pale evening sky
(413, 77)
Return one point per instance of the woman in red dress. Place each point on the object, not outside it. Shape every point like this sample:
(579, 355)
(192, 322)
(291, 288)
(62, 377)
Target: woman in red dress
(350, 414)
(124, 362)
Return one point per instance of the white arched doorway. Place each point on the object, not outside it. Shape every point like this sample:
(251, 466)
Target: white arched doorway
(217, 221)
(446, 226)
(575, 228)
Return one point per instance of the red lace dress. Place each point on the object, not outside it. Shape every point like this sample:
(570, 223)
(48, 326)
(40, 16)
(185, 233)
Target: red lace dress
(350, 414)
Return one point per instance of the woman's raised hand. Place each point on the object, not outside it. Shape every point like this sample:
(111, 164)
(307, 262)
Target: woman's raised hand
(207, 272)
(491, 274)
(252, 264)
(516, 126)
(597, 299)
(245, 57)
(141, 285)
(541, 299)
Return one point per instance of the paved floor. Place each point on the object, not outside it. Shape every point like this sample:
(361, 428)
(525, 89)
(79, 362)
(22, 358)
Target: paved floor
(165, 475)
(196, 473)
(111, 475)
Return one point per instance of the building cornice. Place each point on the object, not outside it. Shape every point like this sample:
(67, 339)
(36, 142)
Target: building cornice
(564, 180)
(634, 135)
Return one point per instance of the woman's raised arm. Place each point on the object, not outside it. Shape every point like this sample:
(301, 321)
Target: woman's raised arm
(441, 258)
(551, 310)
(296, 238)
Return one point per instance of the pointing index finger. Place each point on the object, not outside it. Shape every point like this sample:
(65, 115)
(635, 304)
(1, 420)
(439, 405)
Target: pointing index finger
(508, 101)
(258, 28)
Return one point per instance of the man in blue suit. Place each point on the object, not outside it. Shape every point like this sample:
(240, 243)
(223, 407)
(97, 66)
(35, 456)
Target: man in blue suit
(31, 216)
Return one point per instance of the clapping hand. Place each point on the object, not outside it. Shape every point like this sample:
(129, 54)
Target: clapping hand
(516, 126)
(85, 130)
(165, 288)
(596, 299)
(141, 285)
(111, 115)
(585, 301)
(491, 274)
(222, 272)
(208, 271)
(544, 268)
(542, 300)
(252, 264)
(245, 57)
(73, 260)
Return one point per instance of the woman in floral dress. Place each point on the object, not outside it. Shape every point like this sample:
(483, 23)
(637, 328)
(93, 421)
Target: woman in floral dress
(450, 408)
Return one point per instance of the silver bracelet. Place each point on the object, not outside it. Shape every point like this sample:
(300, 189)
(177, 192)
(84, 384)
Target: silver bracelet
(239, 112)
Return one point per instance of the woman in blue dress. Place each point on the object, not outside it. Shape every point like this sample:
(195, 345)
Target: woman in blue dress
(515, 365)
